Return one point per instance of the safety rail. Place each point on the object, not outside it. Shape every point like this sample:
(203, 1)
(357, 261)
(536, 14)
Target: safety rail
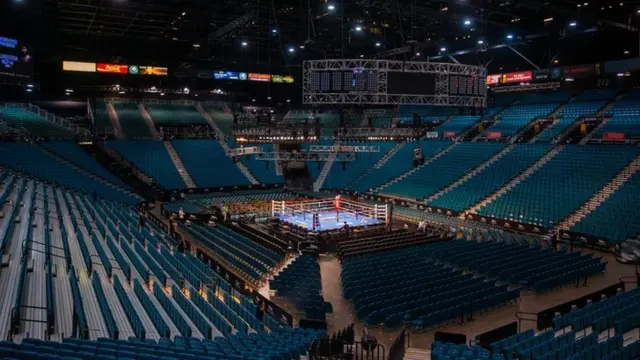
(335, 349)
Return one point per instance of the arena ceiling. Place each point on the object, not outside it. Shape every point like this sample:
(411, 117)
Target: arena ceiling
(509, 34)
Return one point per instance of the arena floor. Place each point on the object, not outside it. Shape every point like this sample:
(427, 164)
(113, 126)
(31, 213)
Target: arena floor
(328, 220)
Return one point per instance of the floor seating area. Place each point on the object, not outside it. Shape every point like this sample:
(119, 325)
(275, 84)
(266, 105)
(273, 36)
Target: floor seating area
(72, 152)
(561, 185)
(131, 120)
(243, 196)
(151, 157)
(300, 283)
(252, 260)
(539, 269)
(516, 117)
(375, 243)
(568, 115)
(491, 178)
(392, 287)
(20, 117)
(340, 176)
(398, 163)
(35, 161)
(103, 262)
(174, 114)
(616, 219)
(437, 174)
(208, 164)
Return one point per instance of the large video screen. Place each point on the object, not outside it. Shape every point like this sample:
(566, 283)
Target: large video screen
(15, 59)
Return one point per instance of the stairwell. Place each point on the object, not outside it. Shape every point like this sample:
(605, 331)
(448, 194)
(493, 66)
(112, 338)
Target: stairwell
(243, 168)
(149, 121)
(472, 173)
(317, 185)
(493, 119)
(179, 165)
(115, 121)
(517, 180)
(407, 173)
(601, 196)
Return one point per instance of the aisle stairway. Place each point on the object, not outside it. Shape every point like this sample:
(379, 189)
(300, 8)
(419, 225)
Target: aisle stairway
(115, 120)
(179, 165)
(604, 121)
(389, 155)
(317, 185)
(545, 159)
(148, 121)
(601, 196)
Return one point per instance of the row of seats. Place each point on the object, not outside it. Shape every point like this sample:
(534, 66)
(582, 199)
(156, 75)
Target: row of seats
(102, 121)
(561, 185)
(458, 124)
(34, 124)
(517, 117)
(174, 114)
(263, 171)
(568, 115)
(131, 121)
(342, 174)
(449, 351)
(300, 283)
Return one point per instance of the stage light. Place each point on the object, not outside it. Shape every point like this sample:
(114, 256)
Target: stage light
(274, 31)
(121, 92)
(331, 7)
(573, 24)
(626, 52)
(358, 28)
(196, 45)
(161, 94)
(480, 42)
(417, 54)
(288, 100)
(253, 100)
(244, 43)
(467, 22)
(509, 36)
(378, 44)
(269, 98)
(29, 90)
(69, 90)
(291, 49)
(443, 49)
(184, 13)
(29, 85)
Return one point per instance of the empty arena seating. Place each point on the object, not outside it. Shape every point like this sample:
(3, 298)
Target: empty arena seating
(75, 154)
(263, 171)
(300, 283)
(223, 119)
(626, 116)
(440, 351)
(251, 259)
(458, 124)
(568, 115)
(597, 94)
(397, 286)
(516, 117)
(530, 266)
(615, 219)
(440, 172)
(491, 178)
(131, 120)
(101, 117)
(20, 117)
(397, 164)
(208, 164)
(174, 114)
(152, 158)
(298, 116)
(561, 185)
(33, 160)
(374, 243)
(339, 177)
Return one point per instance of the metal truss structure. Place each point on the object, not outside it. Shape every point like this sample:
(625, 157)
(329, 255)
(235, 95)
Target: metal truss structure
(527, 87)
(366, 132)
(346, 148)
(274, 131)
(305, 156)
(381, 68)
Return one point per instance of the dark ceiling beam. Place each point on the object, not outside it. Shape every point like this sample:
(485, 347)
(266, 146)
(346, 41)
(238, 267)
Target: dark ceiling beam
(128, 6)
(99, 21)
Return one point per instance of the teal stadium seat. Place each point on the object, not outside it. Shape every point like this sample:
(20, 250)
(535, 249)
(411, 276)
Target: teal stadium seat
(175, 114)
(131, 120)
(339, 177)
(20, 117)
(568, 115)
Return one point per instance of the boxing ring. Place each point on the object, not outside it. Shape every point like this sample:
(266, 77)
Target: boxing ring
(330, 214)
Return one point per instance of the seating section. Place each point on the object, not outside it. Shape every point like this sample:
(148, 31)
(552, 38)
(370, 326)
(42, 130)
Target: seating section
(458, 124)
(102, 121)
(439, 173)
(399, 163)
(175, 114)
(340, 177)
(597, 94)
(537, 268)
(279, 344)
(564, 183)
(398, 286)
(252, 260)
(75, 154)
(33, 160)
(151, 157)
(517, 117)
(369, 244)
(300, 283)
(223, 120)
(208, 164)
(440, 351)
(568, 115)
(20, 117)
(264, 171)
(131, 120)
(491, 178)
(625, 119)
(615, 219)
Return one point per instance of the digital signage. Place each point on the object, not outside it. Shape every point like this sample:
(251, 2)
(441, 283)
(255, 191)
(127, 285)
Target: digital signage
(277, 78)
(78, 66)
(288, 79)
(112, 68)
(517, 77)
(15, 59)
(154, 70)
(259, 77)
(227, 75)
(493, 79)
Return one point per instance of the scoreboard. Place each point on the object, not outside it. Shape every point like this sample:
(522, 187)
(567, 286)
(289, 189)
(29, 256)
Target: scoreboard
(357, 80)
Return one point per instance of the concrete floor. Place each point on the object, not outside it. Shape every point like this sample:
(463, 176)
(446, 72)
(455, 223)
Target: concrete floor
(529, 302)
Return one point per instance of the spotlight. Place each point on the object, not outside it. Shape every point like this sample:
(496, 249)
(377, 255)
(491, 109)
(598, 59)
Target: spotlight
(480, 42)
(358, 28)
(443, 49)
(196, 45)
(626, 52)
(253, 100)
(274, 31)
(509, 36)
(161, 94)
(30, 90)
(378, 44)
(573, 24)
(244, 43)
(417, 54)
(467, 22)
(331, 7)
(288, 100)
(269, 98)
(30, 85)
(184, 13)
(291, 49)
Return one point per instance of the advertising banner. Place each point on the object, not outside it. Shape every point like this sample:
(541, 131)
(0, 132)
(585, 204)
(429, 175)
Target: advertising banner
(112, 68)
(555, 73)
(494, 135)
(78, 66)
(579, 71)
(494, 79)
(449, 134)
(517, 77)
(277, 78)
(154, 70)
(16, 58)
(613, 136)
(259, 77)
(226, 75)
(541, 74)
(432, 135)
(288, 79)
